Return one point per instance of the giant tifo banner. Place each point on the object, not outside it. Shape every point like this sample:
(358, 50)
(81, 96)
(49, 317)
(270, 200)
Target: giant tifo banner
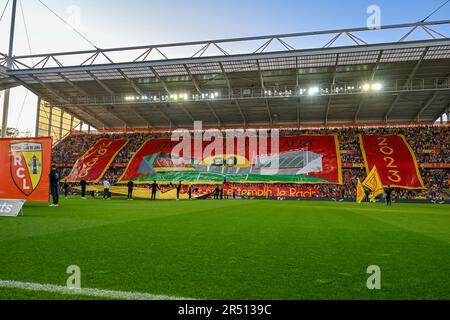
(307, 159)
(395, 160)
(167, 192)
(24, 169)
(94, 163)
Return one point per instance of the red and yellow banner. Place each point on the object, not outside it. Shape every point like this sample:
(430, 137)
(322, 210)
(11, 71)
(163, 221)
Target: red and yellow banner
(308, 159)
(24, 169)
(373, 183)
(94, 163)
(394, 159)
(167, 192)
(266, 191)
(360, 194)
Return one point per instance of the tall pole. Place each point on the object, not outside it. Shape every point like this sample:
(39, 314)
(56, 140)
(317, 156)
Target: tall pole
(9, 65)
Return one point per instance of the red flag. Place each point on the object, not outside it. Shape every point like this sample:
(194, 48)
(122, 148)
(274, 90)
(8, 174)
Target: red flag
(395, 160)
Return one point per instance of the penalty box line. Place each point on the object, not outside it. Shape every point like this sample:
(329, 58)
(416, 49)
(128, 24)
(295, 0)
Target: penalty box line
(120, 295)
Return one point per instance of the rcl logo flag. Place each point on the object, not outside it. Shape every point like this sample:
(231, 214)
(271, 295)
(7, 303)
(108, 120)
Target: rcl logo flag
(24, 168)
(26, 165)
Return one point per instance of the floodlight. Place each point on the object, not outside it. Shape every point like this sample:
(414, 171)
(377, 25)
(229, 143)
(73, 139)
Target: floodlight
(377, 86)
(366, 87)
(313, 90)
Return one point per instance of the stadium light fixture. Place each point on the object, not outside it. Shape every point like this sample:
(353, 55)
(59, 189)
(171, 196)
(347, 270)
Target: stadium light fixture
(313, 90)
(377, 86)
(366, 87)
(213, 95)
(131, 98)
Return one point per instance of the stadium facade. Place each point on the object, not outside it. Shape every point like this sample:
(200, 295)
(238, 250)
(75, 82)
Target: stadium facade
(271, 81)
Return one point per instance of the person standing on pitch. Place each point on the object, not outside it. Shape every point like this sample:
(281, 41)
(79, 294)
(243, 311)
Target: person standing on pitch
(367, 193)
(178, 191)
(389, 191)
(221, 192)
(106, 187)
(66, 189)
(130, 190)
(83, 184)
(54, 186)
(216, 193)
(154, 188)
(190, 192)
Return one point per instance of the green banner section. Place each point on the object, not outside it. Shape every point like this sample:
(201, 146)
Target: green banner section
(209, 177)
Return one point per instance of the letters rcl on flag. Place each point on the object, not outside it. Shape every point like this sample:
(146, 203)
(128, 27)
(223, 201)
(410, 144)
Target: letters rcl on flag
(24, 168)
(394, 159)
(94, 163)
(307, 159)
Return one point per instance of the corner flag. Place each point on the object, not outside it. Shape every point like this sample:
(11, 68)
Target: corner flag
(360, 194)
(373, 182)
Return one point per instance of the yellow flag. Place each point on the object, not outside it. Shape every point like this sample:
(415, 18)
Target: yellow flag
(360, 194)
(373, 182)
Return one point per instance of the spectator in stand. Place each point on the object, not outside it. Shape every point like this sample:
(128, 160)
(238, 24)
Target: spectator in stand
(54, 186)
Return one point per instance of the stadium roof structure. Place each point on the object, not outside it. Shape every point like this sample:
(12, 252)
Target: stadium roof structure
(266, 80)
(6, 81)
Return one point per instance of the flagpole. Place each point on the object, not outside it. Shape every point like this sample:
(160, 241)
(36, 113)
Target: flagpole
(9, 65)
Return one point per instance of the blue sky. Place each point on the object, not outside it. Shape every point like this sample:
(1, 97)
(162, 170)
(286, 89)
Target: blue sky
(114, 23)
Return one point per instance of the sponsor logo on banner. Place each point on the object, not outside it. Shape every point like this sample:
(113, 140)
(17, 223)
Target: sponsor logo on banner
(26, 165)
(10, 208)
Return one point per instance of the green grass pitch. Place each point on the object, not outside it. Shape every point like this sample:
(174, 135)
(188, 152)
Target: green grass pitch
(231, 249)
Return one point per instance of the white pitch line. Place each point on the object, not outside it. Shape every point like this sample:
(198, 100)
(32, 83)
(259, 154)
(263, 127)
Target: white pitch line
(121, 295)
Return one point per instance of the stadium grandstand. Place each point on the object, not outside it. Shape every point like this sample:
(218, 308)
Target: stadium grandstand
(401, 81)
(343, 85)
(430, 144)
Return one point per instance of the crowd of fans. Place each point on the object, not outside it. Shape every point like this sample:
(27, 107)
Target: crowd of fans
(431, 145)
(436, 182)
(74, 146)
